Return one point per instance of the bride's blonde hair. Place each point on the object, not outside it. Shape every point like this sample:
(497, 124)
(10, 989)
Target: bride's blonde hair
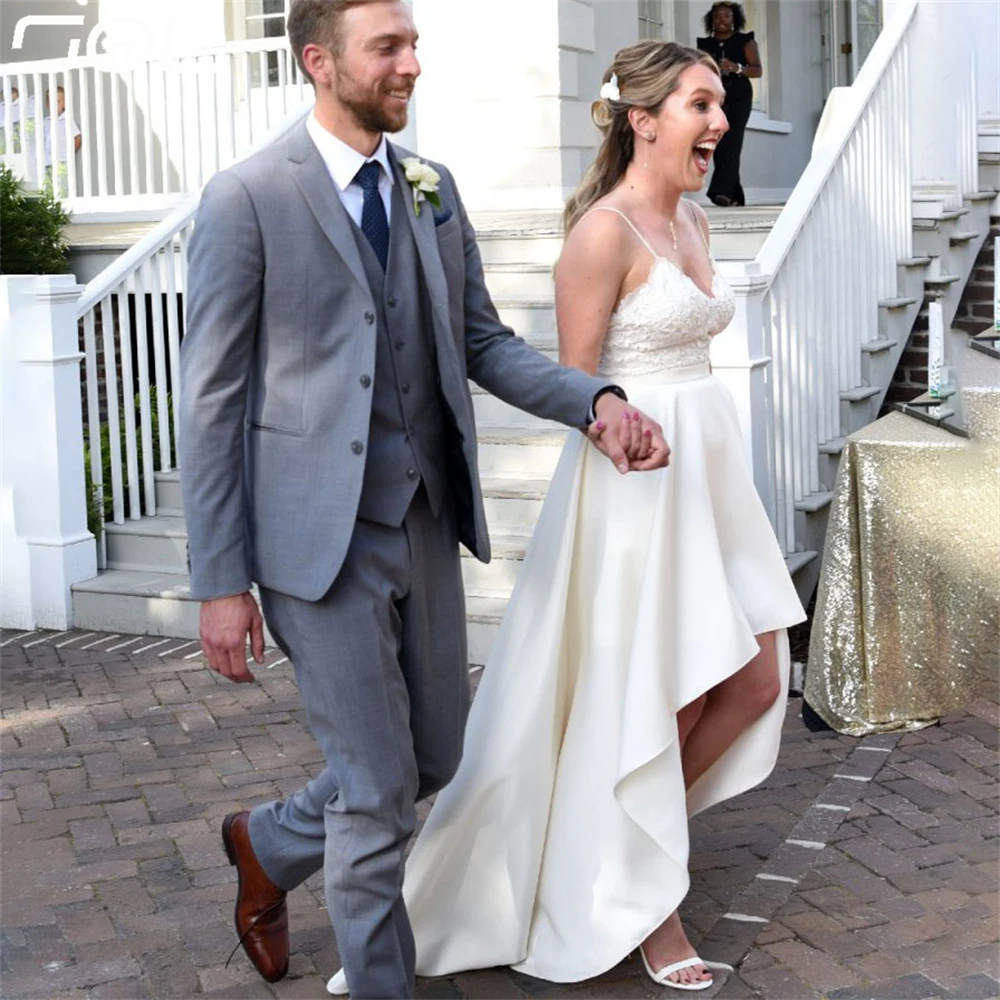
(646, 73)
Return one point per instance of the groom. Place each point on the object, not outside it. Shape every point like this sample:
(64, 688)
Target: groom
(329, 454)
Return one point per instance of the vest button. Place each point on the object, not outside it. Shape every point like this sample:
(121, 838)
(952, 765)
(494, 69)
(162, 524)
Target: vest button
(399, 345)
(365, 381)
(405, 388)
(357, 447)
(412, 474)
(369, 318)
(391, 302)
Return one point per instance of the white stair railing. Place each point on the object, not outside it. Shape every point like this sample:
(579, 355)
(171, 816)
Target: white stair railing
(132, 317)
(831, 257)
(149, 130)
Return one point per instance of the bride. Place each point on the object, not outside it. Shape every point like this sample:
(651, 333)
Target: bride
(562, 843)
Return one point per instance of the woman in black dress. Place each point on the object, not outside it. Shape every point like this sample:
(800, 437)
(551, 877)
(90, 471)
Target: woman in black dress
(739, 61)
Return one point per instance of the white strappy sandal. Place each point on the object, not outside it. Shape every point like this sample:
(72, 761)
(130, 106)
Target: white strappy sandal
(661, 979)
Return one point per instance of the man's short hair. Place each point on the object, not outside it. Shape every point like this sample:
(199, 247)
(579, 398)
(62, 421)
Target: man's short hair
(318, 22)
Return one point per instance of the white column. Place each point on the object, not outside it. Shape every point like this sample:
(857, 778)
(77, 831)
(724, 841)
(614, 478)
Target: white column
(43, 510)
(941, 41)
(741, 360)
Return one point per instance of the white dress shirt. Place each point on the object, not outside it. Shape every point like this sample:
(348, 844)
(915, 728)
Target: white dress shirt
(343, 162)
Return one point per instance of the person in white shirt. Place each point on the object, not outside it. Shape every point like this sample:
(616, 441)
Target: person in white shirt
(64, 126)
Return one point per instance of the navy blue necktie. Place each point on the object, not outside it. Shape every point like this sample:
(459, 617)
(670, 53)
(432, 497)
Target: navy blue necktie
(374, 223)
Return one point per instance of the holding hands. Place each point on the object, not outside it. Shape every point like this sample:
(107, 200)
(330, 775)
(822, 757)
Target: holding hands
(630, 439)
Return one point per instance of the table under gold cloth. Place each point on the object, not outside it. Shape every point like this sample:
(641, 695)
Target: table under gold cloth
(906, 620)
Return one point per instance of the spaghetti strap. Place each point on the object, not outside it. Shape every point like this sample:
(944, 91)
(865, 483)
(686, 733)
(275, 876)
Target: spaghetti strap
(631, 225)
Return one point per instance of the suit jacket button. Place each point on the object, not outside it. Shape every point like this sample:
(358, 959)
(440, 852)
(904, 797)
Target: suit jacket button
(391, 302)
(412, 474)
(399, 345)
(405, 388)
(369, 318)
(365, 381)
(357, 447)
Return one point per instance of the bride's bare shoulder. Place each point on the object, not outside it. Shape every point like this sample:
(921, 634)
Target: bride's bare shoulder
(600, 240)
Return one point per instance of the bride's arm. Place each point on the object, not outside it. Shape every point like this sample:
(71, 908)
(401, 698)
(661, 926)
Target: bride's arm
(589, 277)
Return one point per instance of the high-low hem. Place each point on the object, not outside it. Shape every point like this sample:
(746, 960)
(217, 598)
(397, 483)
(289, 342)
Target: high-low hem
(558, 848)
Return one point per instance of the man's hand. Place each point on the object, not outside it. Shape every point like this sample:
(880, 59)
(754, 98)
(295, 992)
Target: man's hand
(627, 436)
(225, 624)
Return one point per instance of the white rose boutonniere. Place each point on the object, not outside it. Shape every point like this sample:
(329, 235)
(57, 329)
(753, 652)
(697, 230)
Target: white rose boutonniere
(424, 180)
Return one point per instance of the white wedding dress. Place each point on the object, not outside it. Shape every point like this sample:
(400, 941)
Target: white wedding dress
(563, 840)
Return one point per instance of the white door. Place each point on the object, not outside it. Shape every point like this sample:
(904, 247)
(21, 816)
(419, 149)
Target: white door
(849, 29)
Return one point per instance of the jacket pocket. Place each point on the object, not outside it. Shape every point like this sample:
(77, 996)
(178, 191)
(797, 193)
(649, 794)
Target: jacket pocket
(275, 429)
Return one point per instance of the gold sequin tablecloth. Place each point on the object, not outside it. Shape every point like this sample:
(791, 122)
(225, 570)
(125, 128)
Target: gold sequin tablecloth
(906, 620)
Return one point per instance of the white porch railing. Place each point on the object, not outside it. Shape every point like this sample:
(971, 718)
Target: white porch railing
(831, 257)
(148, 130)
(132, 316)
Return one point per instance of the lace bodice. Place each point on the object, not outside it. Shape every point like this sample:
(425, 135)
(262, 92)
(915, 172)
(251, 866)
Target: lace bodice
(667, 322)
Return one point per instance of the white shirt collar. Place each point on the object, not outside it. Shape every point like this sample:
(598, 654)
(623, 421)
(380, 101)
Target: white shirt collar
(344, 161)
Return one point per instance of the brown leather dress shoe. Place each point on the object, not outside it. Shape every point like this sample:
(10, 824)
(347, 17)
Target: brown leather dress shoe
(261, 912)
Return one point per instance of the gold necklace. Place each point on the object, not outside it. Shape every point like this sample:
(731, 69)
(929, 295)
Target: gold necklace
(673, 235)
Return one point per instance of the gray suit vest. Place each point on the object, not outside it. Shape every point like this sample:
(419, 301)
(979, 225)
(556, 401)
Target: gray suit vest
(406, 438)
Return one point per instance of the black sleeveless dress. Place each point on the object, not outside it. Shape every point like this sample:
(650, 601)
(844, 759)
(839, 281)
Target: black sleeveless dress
(739, 101)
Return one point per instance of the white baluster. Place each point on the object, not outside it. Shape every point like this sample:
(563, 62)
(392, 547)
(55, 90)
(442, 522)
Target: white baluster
(265, 90)
(160, 360)
(248, 94)
(174, 339)
(128, 400)
(52, 128)
(71, 101)
(149, 166)
(165, 144)
(133, 136)
(145, 410)
(101, 133)
(181, 126)
(111, 401)
(115, 83)
(93, 416)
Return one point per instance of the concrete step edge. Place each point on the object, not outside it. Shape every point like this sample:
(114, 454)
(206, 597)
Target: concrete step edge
(859, 394)
(814, 502)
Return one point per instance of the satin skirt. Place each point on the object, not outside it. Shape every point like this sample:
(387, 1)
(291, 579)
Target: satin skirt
(563, 840)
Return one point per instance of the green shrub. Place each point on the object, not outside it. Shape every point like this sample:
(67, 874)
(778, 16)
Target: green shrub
(31, 229)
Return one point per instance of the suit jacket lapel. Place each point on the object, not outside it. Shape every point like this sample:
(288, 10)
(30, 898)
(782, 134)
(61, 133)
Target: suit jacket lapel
(313, 179)
(430, 258)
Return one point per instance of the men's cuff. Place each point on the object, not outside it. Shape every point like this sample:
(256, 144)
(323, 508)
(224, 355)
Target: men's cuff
(616, 389)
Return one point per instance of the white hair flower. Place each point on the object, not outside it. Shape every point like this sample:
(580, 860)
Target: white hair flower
(610, 91)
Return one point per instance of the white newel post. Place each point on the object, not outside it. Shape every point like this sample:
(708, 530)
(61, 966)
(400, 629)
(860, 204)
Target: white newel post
(741, 360)
(43, 509)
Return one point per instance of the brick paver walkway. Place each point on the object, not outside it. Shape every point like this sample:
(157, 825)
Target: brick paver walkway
(860, 869)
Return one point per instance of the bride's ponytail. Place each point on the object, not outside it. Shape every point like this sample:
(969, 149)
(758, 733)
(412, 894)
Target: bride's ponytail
(641, 76)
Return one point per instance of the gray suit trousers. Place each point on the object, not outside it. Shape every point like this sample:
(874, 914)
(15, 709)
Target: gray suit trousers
(382, 666)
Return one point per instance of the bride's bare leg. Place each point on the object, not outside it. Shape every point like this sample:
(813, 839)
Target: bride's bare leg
(731, 707)
(706, 728)
(668, 943)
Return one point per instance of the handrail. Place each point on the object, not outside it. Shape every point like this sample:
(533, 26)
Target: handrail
(111, 60)
(155, 239)
(810, 185)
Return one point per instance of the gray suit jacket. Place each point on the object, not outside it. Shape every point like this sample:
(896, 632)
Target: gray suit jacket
(279, 337)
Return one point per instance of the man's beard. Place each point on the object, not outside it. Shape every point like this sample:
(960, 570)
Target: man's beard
(369, 112)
